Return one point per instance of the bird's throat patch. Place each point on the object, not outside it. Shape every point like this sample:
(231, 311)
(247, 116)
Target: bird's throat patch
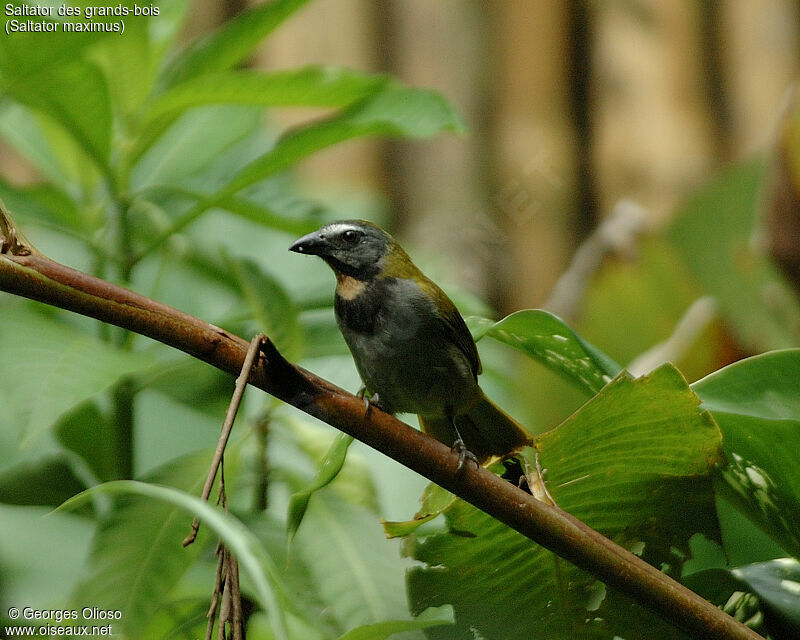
(349, 288)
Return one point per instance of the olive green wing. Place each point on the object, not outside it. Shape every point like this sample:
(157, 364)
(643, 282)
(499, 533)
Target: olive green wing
(453, 325)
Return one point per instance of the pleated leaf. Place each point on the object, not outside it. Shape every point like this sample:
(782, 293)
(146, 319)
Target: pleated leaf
(633, 463)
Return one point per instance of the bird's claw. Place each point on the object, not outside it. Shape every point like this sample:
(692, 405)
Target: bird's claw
(464, 454)
(369, 401)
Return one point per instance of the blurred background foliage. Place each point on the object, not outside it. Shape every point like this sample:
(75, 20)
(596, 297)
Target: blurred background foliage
(631, 166)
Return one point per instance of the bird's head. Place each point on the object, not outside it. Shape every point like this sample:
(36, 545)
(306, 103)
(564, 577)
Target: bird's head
(355, 248)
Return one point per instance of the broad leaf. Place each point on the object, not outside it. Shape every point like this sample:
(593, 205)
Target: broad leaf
(777, 582)
(356, 570)
(50, 367)
(194, 142)
(548, 339)
(633, 463)
(86, 114)
(757, 407)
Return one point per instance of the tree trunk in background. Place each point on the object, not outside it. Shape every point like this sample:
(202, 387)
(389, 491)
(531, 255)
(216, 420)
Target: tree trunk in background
(438, 187)
(653, 127)
(534, 148)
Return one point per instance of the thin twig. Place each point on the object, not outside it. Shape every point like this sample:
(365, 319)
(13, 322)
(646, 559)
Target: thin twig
(215, 593)
(230, 416)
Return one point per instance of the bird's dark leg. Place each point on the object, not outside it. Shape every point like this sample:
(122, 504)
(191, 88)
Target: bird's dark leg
(461, 449)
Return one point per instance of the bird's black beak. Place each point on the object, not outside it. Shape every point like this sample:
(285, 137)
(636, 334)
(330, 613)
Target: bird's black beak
(313, 244)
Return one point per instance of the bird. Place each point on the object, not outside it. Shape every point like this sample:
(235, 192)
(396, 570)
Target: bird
(411, 346)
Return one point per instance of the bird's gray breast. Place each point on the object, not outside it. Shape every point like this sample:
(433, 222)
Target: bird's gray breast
(402, 351)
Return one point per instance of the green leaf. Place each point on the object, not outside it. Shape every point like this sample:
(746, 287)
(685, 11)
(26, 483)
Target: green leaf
(395, 111)
(652, 294)
(21, 129)
(85, 114)
(634, 463)
(136, 555)
(547, 339)
(138, 558)
(270, 305)
(193, 143)
(757, 407)
(713, 232)
(777, 582)
(382, 630)
(36, 568)
(26, 54)
(356, 570)
(232, 42)
(129, 64)
(435, 501)
(44, 202)
(331, 465)
(95, 446)
(313, 86)
(55, 367)
(354, 482)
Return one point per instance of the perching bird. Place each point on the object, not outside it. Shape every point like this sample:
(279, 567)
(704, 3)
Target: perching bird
(410, 344)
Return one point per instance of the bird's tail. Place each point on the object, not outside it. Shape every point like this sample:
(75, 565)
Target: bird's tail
(486, 429)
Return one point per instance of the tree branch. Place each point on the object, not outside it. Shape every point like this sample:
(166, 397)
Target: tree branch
(25, 272)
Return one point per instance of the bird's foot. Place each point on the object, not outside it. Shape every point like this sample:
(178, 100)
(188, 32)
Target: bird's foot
(464, 454)
(369, 401)
(362, 393)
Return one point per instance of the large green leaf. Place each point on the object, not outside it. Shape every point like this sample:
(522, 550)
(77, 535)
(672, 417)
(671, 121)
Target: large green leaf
(548, 339)
(633, 463)
(26, 53)
(757, 406)
(356, 570)
(22, 129)
(777, 582)
(232, 42)
(50, 367)
(193, 143)
(40, 557)
(85, 114)
(129, 64)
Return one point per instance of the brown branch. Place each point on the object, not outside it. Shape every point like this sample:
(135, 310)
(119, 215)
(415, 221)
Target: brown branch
(35, 276)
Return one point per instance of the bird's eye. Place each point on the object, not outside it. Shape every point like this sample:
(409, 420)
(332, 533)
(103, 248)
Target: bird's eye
(351, 235)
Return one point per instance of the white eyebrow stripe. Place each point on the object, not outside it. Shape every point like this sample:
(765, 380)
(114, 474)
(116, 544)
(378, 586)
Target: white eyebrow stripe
(337, 228)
